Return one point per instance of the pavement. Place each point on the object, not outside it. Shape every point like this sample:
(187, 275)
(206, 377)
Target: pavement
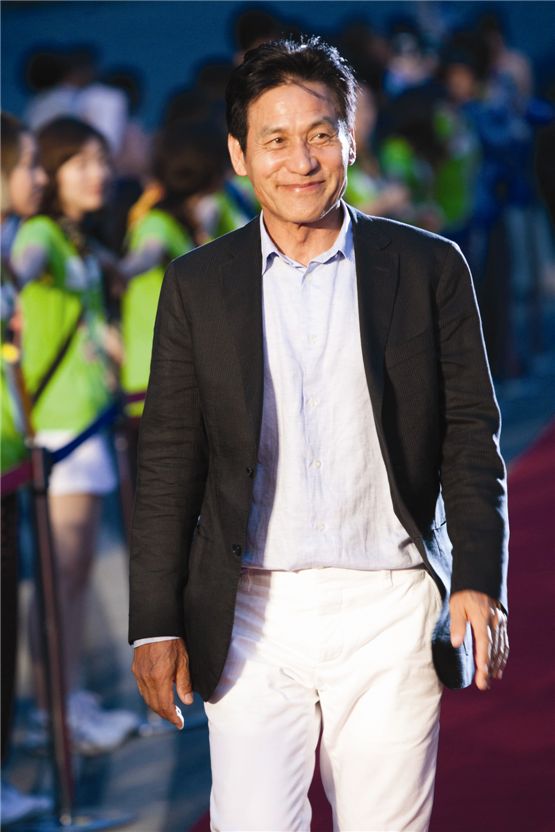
(163, 776)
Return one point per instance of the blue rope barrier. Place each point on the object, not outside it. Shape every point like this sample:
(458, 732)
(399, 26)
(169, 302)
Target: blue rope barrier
(20, 475)
(106, 418)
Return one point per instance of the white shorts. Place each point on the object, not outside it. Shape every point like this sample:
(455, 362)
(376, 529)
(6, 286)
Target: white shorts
(90, 469)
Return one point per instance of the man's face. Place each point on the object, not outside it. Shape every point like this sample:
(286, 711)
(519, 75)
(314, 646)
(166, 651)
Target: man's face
(297, 152)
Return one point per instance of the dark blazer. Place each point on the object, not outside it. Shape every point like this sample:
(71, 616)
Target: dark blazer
(433, 404)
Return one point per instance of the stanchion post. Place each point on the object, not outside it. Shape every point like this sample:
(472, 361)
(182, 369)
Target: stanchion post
(66, 819)
(53, 651)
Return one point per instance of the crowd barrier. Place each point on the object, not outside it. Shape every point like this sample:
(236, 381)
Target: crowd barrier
(36, 472)
(22, 474)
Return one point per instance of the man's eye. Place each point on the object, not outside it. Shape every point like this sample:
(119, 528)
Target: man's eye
(321, 137)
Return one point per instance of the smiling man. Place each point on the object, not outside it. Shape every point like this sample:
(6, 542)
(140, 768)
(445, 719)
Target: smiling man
(320, 532)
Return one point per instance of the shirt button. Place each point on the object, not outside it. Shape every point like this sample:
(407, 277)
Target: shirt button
(236, 549)
(317, 463)
(250, 471)
(321, 527)
(311, 339)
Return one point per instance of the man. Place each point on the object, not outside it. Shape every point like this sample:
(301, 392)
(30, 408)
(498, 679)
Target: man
(319, 402)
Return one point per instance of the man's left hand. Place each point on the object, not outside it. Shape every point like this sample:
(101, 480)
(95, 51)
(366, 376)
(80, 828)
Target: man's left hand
(489, 631)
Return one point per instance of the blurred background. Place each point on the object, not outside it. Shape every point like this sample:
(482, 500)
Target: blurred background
(116, 129)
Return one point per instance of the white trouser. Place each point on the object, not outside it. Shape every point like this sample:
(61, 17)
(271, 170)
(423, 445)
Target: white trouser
(346, 649)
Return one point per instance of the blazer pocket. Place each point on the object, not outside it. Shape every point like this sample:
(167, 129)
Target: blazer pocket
(401, 351)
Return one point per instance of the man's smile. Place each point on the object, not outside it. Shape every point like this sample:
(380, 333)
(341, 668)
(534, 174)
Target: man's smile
(302, 186)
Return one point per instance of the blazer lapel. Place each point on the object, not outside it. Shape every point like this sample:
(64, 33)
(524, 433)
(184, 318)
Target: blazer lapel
(242, 292)
(377, 278)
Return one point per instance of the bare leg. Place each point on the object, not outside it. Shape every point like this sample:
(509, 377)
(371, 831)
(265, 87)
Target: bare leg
(75, 521)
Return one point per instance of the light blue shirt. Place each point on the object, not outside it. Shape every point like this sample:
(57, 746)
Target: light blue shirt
(321, 494)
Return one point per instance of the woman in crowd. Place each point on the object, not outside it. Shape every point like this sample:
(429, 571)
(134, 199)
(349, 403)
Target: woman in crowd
(67, 374)
(23, 182)
(189, 164)
(367, 188)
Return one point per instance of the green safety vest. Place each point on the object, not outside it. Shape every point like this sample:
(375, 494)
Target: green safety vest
(12, 446)
(70, 286)
(361, 188)
(229, 215)
(456, 176)
(11, 438)
(139, 304)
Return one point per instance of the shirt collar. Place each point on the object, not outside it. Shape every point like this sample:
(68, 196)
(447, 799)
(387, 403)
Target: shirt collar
(342, 246)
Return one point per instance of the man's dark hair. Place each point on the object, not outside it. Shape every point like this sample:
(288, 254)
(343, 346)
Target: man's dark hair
(281, 62)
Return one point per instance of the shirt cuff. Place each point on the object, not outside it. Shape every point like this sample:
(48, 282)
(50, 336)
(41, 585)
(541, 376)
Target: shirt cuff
(141, 641)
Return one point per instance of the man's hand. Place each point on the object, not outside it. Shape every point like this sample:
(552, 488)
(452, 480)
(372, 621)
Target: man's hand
(489, 630)
(157, 667)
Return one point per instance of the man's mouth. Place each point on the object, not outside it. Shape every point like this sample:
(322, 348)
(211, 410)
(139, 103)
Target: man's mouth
(302, 186)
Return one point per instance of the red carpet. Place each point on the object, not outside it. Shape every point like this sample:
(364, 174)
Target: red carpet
(496, 770)
(497, 752)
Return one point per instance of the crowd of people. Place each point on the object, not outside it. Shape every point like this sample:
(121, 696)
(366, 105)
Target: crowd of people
(449, 137)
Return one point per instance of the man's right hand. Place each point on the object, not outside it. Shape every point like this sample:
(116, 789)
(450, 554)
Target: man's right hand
(157, 666)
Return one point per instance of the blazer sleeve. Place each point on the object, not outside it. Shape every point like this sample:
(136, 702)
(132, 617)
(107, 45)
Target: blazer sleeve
(171, 474)
(473, 475)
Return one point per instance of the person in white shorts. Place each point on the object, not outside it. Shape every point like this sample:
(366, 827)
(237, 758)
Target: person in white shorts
(66, 372)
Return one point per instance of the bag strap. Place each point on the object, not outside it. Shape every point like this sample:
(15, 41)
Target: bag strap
(58, 358)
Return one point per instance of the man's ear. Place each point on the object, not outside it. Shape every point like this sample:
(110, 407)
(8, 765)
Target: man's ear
(237, 156)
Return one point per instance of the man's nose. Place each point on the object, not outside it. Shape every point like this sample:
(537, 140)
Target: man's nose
(302, 159)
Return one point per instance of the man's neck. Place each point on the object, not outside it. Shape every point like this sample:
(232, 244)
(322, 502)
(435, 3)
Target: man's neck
(304, 242)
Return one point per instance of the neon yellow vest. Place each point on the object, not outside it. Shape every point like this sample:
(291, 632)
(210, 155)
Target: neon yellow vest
(229, 215)
(139, 304)
(50, 306)
(361, 188)
(13, 448)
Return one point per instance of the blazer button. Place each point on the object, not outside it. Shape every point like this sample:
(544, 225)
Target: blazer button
(250, 471)
(236, 549)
